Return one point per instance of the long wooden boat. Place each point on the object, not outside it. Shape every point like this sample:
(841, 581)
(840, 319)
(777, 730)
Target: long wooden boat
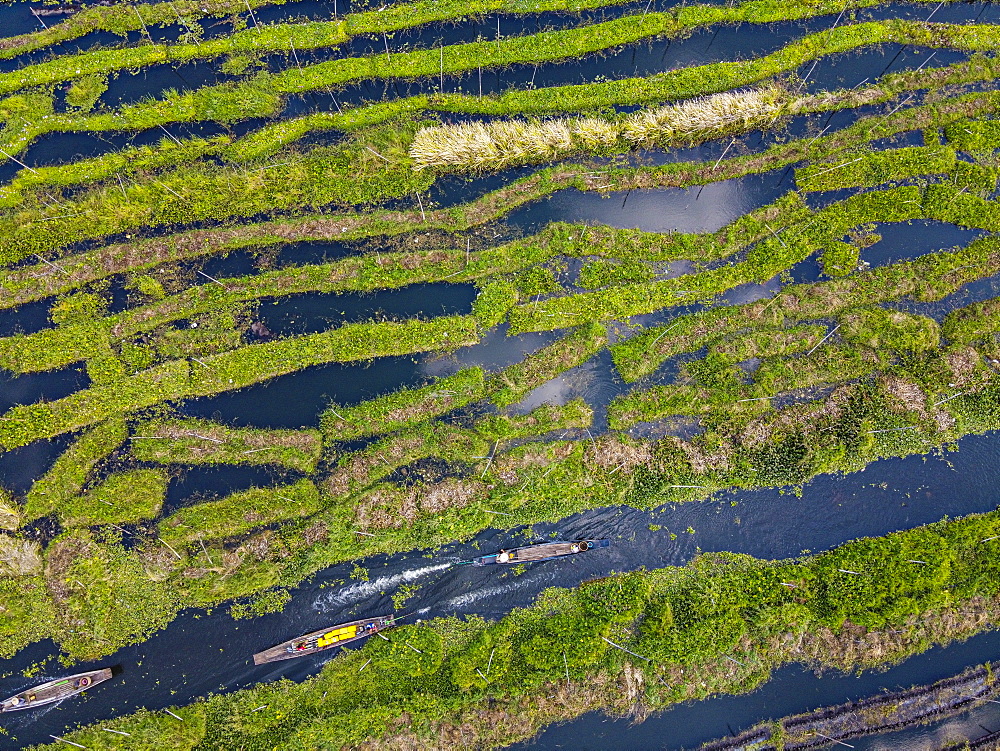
(53, 691)
(327, 638)
(545, 551)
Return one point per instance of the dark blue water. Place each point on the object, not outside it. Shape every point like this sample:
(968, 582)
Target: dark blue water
(697, 209)
(313, 312)
(35, 387)
(906, 241)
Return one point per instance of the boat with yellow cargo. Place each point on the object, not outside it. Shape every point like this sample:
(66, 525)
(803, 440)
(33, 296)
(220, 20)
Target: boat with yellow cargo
(327, 638)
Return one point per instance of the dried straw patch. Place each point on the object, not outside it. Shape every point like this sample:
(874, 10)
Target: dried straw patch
(19, 557)
(503, 143)
(391, 507)
(10, 511)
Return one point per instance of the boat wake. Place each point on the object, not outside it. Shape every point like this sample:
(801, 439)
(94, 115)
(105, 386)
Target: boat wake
(471, 598)
(355, 593)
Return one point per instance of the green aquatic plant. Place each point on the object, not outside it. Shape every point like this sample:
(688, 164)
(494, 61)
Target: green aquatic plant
(822, 377)
(239, 513)
(206, 442)
(66, 478)
(121, 498)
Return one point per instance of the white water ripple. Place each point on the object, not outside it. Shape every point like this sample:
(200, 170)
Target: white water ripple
(354, 593)
(471, 598)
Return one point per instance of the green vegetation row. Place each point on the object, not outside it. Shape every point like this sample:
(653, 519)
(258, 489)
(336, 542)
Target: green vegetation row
(30, 115)
(221, 556)
(257, 40)
(96, 407)
(81, 337)
(768, 258)
(178, 379)
(272, 137)
(45, 234)
(71, 486)
(288, 37)
(930, 277)
(82, 334)
(196, 192)
(121, 19)
(130, 162)
(169, 153)
(178, 441)
(652, 639)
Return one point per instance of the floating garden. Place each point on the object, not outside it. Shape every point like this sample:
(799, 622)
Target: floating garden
(369, 187)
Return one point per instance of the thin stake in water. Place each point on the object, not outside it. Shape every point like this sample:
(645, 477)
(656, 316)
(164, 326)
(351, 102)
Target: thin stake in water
(833, 739)
(715, 166)
(252, 16)
(823, 340)
(170, 548)
(619, 646)
(18, 161)
(63, 740)
(49, 263)
(168, 188)
(214, 280)
(150, 36)
(205, 551)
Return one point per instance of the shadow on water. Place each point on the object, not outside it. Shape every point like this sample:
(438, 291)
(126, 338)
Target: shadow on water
(889, 495)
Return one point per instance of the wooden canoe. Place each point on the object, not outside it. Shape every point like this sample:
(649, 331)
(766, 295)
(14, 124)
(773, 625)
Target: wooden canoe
(545, 551)
(53, 691)
(327, 638)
